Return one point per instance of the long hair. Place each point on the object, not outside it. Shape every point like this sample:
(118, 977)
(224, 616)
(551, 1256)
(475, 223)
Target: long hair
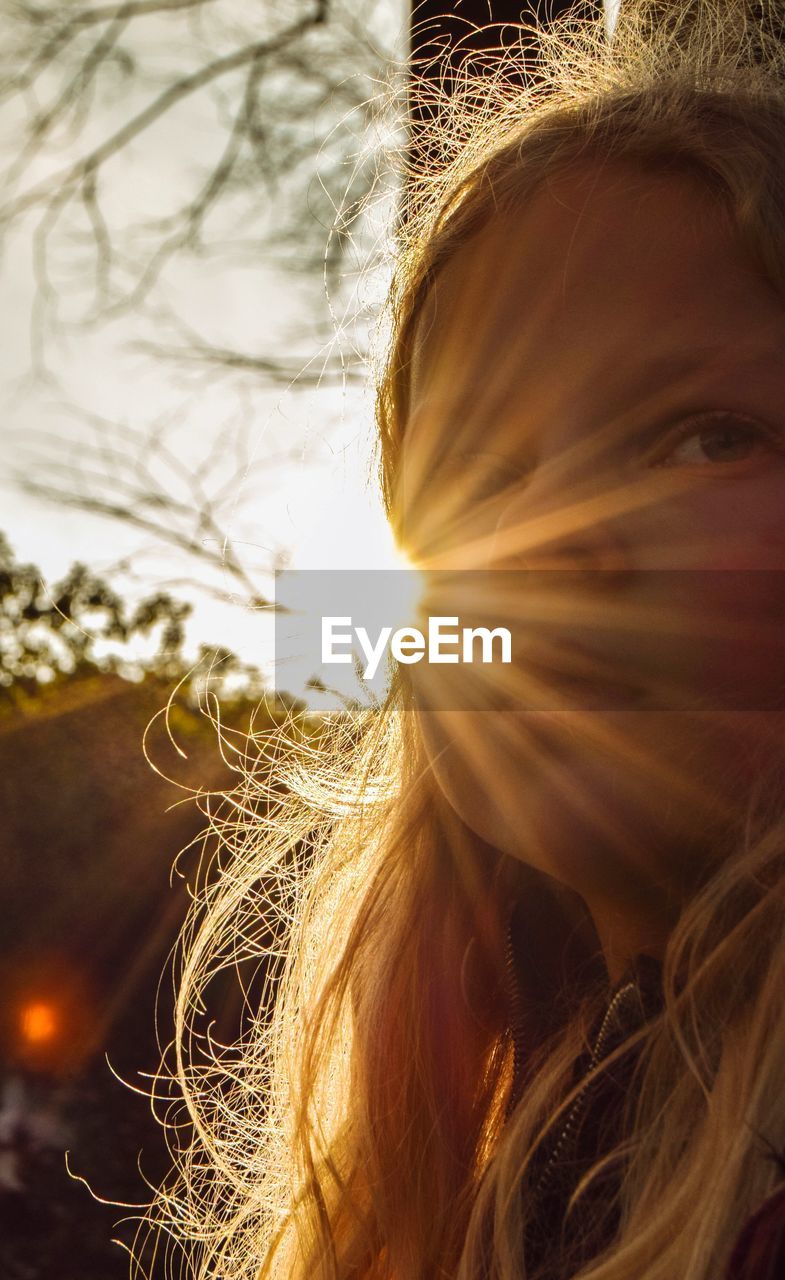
(362, 1127)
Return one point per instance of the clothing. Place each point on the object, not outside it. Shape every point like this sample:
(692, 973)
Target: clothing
(556, 1246)
(759, 1252)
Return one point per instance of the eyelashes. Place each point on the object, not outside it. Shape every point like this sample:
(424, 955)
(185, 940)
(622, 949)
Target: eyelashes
(711, 439)
(716, 438)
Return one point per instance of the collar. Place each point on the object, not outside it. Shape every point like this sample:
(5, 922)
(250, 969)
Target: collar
(535, 1010)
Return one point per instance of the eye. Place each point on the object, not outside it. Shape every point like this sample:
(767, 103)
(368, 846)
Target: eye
(715, 438)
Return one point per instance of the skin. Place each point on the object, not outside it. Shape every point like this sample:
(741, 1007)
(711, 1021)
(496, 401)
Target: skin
(559, 355)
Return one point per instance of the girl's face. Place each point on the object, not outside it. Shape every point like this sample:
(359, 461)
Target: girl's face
(599, 387)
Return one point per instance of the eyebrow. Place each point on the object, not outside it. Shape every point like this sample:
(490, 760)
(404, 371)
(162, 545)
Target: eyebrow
(676, 364)
(663, 373)
(652, 376)
(655, 376)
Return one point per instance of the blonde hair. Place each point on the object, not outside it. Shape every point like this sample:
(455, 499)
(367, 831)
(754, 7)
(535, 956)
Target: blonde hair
(360, 1128)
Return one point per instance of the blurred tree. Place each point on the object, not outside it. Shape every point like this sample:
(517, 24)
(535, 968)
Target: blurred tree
(80, 627)
(77, 625)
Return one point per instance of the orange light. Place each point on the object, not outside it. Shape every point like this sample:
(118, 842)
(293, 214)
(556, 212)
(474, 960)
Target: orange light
(39, 1023)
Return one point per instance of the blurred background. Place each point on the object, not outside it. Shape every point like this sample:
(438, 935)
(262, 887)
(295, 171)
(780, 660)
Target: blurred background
(198, 208)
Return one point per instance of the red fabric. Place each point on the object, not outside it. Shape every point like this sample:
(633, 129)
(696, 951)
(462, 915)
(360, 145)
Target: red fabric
(759, 1251)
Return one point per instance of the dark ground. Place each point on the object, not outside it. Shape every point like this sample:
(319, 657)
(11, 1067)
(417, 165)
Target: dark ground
(50, 1224)
(87, 841)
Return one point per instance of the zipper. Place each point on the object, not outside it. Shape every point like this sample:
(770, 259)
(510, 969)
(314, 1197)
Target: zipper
(579, 1102)
(516, 1019)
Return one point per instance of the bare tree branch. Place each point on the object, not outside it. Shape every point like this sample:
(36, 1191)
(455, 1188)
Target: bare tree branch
(289, 106)
(65, 180)
(139, 481)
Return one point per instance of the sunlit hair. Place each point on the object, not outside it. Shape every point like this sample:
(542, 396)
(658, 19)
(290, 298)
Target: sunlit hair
(360, 1127)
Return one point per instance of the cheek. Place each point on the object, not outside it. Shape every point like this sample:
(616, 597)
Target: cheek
(739, 525)
(735, 638)
(477, 761)
(727, 638)
(604, 801)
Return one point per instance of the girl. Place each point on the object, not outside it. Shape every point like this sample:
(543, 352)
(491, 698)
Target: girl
(531, 1019)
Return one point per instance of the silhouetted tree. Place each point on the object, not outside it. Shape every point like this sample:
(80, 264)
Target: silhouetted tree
(77, 625)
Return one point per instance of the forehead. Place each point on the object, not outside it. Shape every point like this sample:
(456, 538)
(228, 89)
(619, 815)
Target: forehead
(604, 273)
